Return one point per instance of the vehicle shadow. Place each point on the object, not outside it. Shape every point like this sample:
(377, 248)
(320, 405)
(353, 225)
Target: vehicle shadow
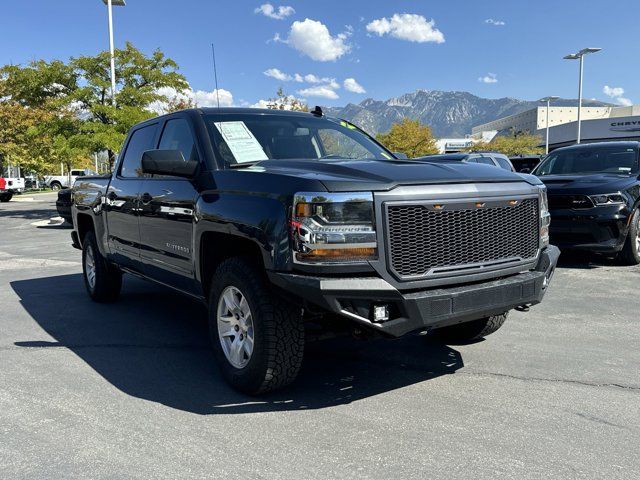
(585, 260)
(153, 344)
(40, 213)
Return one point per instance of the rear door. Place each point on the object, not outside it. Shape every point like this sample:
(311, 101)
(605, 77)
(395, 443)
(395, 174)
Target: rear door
(122, 199)
(167, 206)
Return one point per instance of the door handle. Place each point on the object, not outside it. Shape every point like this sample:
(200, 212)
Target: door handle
(146, 197)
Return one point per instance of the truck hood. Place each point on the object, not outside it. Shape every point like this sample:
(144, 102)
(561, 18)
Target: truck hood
(354, 175)
(587, 184)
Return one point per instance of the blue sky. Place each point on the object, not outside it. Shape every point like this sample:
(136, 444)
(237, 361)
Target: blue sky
(491, 48)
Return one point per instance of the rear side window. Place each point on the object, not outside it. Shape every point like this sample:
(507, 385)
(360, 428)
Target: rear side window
(503, 163)
(177, 136)
(141, 140)
(486, 161)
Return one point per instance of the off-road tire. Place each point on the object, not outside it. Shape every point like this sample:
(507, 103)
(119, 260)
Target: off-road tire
(108, 279)
(6, 197)
(470, 331)
(56, 186)
(277, 324)
(630, 254)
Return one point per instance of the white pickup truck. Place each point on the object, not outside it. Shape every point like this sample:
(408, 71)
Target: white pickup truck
(10, 183)
(57, 182)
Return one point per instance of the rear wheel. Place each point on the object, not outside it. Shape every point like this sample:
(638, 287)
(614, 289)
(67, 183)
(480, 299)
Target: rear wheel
(5, 197)
(102, 280)
(630, 254)
(470, 331)
(55, 186)
(257, 337)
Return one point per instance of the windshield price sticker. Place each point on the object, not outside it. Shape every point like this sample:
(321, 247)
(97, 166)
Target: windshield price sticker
(241, 142)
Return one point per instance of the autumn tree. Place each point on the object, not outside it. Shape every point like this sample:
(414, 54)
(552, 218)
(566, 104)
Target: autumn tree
(512, 145)
(282, 101)
(409, 137)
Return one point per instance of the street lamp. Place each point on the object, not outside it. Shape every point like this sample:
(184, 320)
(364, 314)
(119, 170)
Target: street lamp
(580, 56)
(548, 100)
(109, 4)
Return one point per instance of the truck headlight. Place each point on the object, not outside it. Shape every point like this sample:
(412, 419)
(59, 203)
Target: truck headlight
(608, 199)
(333, 228)
(545, 217)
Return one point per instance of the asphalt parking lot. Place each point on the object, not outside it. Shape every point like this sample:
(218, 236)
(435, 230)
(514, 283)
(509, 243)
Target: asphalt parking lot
(130, 390)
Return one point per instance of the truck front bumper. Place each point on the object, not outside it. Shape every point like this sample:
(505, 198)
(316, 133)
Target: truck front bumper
(356, 298)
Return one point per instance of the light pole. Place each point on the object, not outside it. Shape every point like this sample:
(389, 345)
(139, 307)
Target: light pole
(580, 56)
(110, 4)
(548, 100)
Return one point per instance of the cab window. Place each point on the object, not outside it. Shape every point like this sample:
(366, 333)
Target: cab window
(141, 140)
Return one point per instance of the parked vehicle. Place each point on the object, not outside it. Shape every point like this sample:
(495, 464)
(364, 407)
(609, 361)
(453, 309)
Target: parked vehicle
(57, 182)
(525, 163)
(63, 204)
(10, 184)
(485, 158)
(594, 198)
(279, 219)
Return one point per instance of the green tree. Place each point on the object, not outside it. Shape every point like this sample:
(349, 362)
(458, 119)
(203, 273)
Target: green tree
(139, 79)
(514, 145)
(78, 94)
(409, 137)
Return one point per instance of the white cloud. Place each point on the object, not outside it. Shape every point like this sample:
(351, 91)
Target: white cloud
(613, 91)
(298, 78)
(407, 26)
(209, 98)
(200, 98)
(324, 91)
(351, 85)
(277, 74)
(617, 94)
(312, 38)
(489, 78)
(497, 23)
(270, 11)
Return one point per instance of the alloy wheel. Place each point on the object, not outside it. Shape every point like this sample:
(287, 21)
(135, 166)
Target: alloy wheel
(235, 327)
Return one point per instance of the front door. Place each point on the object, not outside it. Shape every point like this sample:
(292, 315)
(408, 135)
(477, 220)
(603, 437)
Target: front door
(167, 207)
(121, 204)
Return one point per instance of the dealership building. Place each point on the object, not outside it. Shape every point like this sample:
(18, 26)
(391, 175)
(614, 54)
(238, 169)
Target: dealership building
(598, 124)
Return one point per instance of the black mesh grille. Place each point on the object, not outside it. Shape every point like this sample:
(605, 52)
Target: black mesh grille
(421, 238)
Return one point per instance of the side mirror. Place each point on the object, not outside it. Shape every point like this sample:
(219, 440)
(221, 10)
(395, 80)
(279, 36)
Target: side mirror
(400, 155)
(168, 162)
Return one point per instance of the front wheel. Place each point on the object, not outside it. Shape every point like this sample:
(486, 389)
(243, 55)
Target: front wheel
(102, 280)
(6, 197)
(257, 337)
(630, 254)
(470, 331)
(56, 186)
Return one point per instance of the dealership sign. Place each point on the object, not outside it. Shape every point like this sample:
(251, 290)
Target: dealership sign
(597, 129)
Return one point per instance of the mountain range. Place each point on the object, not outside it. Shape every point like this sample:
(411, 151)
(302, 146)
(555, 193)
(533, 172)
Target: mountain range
(449, 114)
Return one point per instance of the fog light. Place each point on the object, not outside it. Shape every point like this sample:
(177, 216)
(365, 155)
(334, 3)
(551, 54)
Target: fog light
(380, 313)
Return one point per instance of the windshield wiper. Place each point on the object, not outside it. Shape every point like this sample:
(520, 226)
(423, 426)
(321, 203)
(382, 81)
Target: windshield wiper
(243, 164)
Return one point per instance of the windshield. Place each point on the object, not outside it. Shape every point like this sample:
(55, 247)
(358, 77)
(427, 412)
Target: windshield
(584, 161)
(246, 138)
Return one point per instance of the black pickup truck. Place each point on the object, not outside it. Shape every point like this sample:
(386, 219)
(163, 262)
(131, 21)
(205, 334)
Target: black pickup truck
(286, 223)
